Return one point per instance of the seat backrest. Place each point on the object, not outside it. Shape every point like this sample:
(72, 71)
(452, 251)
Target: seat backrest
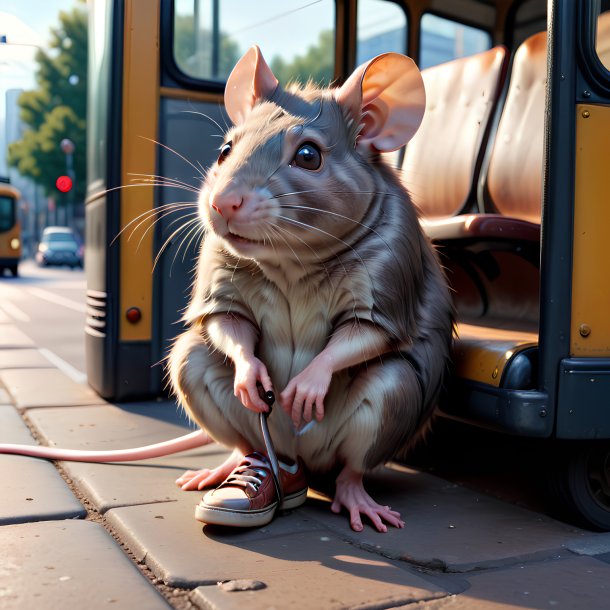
(442, 159)
(514, 177)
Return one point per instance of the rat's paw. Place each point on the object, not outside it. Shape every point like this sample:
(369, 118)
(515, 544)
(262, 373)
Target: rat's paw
(193, 480)
(303, 397)
(249, 371)
(350, 493)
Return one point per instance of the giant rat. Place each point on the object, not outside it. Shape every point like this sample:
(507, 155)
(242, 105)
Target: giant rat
(314, 279)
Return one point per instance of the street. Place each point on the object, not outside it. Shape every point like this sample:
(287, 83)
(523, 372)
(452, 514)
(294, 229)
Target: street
(48, 305)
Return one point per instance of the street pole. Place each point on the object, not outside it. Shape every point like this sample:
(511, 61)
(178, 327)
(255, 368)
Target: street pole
(68, 147)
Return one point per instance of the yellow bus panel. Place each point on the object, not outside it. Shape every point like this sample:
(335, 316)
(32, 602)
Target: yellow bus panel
(140, 120)
(590, 327)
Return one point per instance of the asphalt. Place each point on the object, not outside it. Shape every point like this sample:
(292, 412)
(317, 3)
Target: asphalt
(79, 535)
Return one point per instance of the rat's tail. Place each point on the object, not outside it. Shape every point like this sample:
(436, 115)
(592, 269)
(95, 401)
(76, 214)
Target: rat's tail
(182, 443)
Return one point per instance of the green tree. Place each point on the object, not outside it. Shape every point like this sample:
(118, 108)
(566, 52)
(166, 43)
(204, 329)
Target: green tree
(57, 108)
(193, 51)
(316, 63)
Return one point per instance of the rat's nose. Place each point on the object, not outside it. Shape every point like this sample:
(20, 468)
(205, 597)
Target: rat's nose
(226, 203)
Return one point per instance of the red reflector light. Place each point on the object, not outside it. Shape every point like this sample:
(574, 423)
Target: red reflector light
(133, 315)
(63, 184)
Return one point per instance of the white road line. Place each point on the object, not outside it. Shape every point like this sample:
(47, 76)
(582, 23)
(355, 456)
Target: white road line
(57, 299)
(63, 366)
(12, 311)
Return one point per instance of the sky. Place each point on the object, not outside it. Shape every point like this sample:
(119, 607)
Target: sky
(26, 26)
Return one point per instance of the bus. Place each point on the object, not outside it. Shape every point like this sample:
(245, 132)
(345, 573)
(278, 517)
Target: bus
(10, 230)
(509, 171)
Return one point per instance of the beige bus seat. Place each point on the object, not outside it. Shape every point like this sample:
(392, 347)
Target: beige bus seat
(492, 258)
(496, 277)
(514, 177)
(513, 182)
(497, 290)
(442, 159)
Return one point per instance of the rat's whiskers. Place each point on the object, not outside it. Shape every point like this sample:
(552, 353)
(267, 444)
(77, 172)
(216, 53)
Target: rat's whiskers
(167, 242)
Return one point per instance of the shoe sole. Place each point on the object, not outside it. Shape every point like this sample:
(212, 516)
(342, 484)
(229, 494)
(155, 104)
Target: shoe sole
(213, 515)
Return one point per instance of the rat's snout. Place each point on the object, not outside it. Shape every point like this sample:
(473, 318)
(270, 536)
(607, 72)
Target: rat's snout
(226, 203)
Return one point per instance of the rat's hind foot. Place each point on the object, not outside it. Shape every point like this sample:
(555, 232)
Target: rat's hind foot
(198, 479)
(350, 493)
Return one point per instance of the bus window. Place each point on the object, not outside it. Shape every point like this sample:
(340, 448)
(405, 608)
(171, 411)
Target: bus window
(7, 213)
(443, 40)
(602, 42)
(382, 27)
(296, 37)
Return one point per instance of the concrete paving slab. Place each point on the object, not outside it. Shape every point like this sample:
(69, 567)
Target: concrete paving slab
(303, 571)
(32, 489)
(118, 427)
(69, 564)
(11, 336)
(302, 564)
(567, 584)
(5, 398)
(23, 359)
(46, 388)
(449, 527)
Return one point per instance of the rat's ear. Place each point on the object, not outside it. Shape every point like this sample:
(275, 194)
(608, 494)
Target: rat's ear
(250, 81)
(387, 96)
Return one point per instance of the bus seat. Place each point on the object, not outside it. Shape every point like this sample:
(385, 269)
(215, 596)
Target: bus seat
(484, 351)
(514, 176)
(513, 183)
(496, 357)
(492, 258)
(441, 161)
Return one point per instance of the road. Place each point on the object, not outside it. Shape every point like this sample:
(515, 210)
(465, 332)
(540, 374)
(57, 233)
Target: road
(48, 305)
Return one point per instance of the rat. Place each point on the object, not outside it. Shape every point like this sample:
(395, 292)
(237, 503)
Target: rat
(315, 278)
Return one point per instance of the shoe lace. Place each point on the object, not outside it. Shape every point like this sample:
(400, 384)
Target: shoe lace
(248, 473)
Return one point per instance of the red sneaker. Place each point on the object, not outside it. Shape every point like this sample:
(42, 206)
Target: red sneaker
(248, 498)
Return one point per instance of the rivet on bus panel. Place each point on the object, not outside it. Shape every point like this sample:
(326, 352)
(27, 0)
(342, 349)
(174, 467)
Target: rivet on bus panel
(133, 315)
(584, 330)
(586, 114)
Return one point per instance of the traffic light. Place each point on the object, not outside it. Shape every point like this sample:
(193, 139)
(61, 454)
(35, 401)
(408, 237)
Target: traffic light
(63, 184)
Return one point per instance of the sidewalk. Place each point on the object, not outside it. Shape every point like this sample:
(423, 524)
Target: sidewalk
(123, 536)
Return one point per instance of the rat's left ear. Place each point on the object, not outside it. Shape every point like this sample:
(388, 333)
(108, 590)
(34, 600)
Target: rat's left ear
(387, 96)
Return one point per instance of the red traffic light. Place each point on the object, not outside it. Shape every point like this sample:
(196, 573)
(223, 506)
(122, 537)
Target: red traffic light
(63, 184)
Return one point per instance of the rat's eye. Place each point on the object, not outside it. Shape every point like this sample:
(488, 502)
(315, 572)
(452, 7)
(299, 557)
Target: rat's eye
(308, 156)
(225, 151)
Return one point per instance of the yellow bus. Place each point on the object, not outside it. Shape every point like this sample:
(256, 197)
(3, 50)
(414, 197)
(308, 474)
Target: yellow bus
(509, 170)
(10, 230)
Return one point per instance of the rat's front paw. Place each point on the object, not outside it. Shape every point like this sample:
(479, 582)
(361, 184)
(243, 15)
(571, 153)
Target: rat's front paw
(249, 371)
(304, 395)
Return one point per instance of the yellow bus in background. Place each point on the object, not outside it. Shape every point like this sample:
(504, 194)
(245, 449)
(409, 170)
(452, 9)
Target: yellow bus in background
(10, 230)
(509, 170)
